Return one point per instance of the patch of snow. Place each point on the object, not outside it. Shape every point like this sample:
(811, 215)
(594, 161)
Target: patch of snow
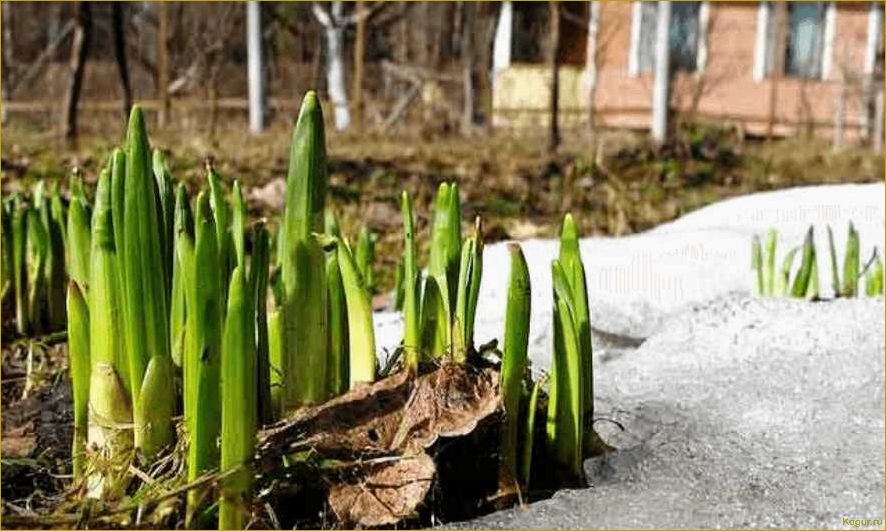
(636, 282)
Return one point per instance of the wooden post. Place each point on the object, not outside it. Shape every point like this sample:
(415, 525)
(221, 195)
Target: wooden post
(660, 92)
(359, 58)
(554, 64)
(76, 68)
(163, 62)
(591, 65)
(467, 58)
(878, 122)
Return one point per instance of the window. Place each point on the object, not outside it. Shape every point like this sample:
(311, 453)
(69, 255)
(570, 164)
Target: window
(809, 28)
(531, 32)
(803, 52)
(684, 34)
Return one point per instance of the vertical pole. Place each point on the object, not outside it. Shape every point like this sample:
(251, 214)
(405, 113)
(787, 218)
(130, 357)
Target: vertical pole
(875, 29)
(878, 122)
(591, 62)
(120, 56)
(554, 63)
(467, 59)
(661, 84)
(76, 68)
(501, 48)
(255, 68)
(163, 62)
(359, 58)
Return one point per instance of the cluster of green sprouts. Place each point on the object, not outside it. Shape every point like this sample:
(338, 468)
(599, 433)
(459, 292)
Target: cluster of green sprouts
(162, 289)
(804, 281)
(36, 256)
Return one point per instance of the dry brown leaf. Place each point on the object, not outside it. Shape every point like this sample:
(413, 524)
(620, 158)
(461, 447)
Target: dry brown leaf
(383, 494)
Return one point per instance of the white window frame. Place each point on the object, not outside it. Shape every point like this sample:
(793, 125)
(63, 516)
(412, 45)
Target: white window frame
(761, 47)
(701, 51)
(634, 52)
(830, 35)
(762, 43)
(875, 28)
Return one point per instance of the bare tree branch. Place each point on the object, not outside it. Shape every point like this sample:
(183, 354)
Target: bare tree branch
(321, 15)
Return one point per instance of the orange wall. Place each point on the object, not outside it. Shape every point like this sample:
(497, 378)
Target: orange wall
(728, 88)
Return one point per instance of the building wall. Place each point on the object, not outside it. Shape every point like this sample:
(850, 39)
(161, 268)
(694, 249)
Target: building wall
(726, 90)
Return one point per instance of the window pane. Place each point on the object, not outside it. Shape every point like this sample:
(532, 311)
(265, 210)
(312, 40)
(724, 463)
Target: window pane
(771, 30)
(805, 39)
(683, 35)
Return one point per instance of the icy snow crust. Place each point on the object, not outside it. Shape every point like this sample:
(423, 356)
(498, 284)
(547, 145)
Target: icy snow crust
(737, 411)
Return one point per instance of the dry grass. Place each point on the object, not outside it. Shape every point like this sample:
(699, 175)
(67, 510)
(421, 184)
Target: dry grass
(519, 189)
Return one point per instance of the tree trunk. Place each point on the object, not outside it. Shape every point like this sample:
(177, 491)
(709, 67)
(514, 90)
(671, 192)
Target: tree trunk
(554, 65)
(504, 31)
(163, 62)
(593, 67)
(403, 40)
(255, 68)
(334, 32)
(467, 58)
(359, 57)
(8, 42)
(77, 66)
(662, 81)
(487, 21)
(120, 55)
(8, 61)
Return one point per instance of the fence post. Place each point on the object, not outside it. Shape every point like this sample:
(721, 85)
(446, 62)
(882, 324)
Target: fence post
(878, 121)
(255, 68)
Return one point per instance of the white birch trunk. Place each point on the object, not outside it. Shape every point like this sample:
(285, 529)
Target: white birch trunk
(501, 48)
(334, 32)
(255, 68)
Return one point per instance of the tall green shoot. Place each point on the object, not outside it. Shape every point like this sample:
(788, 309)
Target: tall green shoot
(411, 278)
(851, 264)
(239, 404)
(514, 358)
(303, 264)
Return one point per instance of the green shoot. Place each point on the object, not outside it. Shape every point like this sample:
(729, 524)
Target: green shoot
(361, 335)
(851, 264)
(769, 265)
(874, 277)
(364, 256)
(303, 264)
(239, 404)
(514, 357)
(203, 353)
(78, 356)
(835, 272)
(338, 343)
(804, 274)
(411, 278)
(565, 408)
(757, 264)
